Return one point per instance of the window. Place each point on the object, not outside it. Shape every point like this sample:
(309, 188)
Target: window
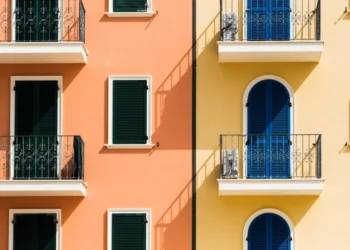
(129, 229)
(133, 8)
(129, 112)
(37, 229)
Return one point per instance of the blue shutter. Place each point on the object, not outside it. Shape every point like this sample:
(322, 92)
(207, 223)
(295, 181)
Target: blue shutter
(257, 125)
(257, 20)
(279, 130)
(280, 20)
(258, 234)
(280, 233)
(269, 232)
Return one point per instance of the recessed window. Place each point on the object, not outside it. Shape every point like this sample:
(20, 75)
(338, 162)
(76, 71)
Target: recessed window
(129, 113)
(35, 229)
(133, 8)
(129, 229)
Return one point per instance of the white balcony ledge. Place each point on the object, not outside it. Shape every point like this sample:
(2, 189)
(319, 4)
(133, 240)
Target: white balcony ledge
(232, 187)
(270, 51)
(43, 52)
(43, 188)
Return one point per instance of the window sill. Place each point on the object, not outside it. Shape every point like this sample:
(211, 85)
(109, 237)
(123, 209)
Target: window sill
(129, 146)
(131, 14)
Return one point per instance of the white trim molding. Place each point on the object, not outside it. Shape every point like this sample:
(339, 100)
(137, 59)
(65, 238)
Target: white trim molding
(148, 13)
(146, 211)
(268, 211)
(12, 212)
(307, 186)
(148, 144)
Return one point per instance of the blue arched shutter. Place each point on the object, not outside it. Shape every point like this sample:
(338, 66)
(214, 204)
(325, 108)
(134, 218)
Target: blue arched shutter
(257, 125)
(257, 15)
(279, 165)
(280, 19)
(269, 232)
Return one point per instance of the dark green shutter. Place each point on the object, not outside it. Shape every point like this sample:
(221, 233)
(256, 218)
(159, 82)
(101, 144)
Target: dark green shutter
(129, 231)
(44, 24)
(34, 232)
(130, 112)
(129, 5)
(36, 129)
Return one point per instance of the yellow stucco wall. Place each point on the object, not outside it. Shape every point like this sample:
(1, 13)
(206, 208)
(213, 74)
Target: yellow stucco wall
(322, 105)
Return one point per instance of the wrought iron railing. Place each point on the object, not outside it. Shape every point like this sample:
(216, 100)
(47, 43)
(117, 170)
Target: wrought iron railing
(298, 20)
(42, 21)
(41, 157)
(273, 156)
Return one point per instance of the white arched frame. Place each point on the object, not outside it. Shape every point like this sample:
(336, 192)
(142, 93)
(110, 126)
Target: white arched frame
(268, 211)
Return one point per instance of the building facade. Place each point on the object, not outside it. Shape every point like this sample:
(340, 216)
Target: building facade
(95, 134)
(272, 125)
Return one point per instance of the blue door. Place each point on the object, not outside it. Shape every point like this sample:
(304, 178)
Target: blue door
(268, 20)
(269, 232)
(268, 139)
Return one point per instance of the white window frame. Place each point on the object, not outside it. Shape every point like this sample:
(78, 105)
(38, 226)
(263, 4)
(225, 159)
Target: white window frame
(146, 211)
(148, 13)
(148, 144)
(59, 80)
(60, 19)
(12, 212)
(268, 211)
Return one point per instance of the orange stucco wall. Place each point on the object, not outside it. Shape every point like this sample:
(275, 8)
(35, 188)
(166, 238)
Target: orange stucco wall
(159, 179)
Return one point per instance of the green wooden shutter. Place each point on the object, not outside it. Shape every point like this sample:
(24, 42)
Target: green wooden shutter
(130, 112)
(44, 24)
(129, 231)
(129, 5)
(34, 232)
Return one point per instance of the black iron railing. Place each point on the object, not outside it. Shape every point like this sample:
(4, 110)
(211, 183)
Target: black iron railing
(299, 20)
(42, 21)
(273, 156)
(41, 157)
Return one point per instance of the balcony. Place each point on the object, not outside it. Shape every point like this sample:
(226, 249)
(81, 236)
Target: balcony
(280, 32)
(42, 166)
(49, 31)
(270, 165)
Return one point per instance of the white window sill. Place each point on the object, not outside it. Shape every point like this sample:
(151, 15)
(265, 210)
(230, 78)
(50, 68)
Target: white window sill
(131, 14)
(129, 146)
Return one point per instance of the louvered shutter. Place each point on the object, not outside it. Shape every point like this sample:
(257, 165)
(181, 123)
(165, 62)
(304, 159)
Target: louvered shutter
(129, 231)
(45, 20)
(257, 125)
(280, 233)
(36, 129)
(34, 232)
(280, 20)
(257, 20)
(279, 165)
(129, 5)
(130, 112)
(258, 234)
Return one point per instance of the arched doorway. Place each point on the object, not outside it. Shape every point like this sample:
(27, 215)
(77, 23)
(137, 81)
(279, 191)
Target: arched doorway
(269, 128)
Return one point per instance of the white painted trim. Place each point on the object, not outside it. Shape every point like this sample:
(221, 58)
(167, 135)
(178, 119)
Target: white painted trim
(270, 211)
(13, 24)
(43, 188)
(36, 211)
(110, 7)
(129, 146)
(147, 211)
(233, 187)
(245, 100)
(59, 80)
(130, 14)
(111, 78)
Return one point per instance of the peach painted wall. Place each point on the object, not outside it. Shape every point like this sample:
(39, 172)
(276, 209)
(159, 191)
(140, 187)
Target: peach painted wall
(159, 179)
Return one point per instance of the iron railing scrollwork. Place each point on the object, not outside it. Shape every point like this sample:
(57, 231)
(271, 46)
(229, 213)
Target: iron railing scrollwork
(41, 157)
(270, 156)
(42, 21)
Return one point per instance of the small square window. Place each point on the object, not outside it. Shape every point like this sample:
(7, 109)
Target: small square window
(129, 228)
(127, 8)
(129, 112)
